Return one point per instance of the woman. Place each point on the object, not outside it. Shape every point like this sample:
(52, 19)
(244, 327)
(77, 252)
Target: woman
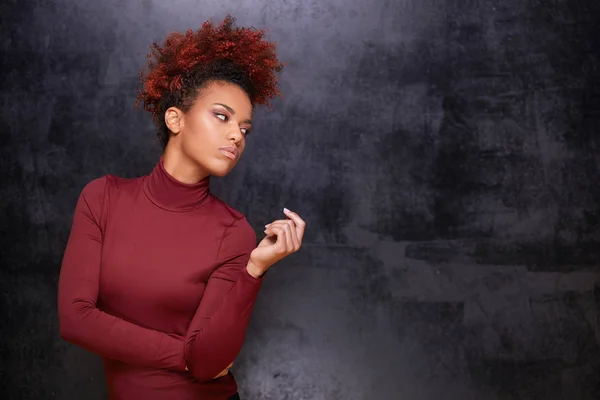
(159, 277)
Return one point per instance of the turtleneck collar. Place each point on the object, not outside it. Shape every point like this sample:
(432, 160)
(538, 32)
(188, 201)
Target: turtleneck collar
(169, 193)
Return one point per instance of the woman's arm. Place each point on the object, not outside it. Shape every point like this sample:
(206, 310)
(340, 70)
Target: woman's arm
(81, 322)
(216, 333)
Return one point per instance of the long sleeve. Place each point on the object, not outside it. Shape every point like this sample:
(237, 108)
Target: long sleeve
(217, 331)
(81, 322)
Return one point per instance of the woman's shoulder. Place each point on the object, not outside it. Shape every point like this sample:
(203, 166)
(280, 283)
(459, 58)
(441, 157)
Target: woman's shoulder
(111, 182)
(109, 186)
(229, 217)
(237, 231)
(225, 211)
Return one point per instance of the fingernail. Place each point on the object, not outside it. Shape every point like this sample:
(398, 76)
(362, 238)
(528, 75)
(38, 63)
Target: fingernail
(268, 225)
(285, 210)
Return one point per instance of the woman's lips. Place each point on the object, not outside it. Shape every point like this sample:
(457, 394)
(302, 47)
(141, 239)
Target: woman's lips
(230, 152)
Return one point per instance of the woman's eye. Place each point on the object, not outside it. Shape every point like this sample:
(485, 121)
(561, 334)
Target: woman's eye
(222, 117)
(245, 131)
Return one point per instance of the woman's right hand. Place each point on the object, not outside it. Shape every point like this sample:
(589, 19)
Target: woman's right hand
(224, 372)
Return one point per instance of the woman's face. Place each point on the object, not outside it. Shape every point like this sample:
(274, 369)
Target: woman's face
(212, 133)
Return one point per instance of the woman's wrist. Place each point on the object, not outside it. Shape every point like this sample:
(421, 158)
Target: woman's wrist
(254, 271)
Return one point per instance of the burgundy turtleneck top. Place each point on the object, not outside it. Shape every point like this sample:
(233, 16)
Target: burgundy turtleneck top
(154, 279)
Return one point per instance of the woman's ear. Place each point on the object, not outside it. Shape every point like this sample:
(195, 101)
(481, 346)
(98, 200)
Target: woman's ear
(174, 119)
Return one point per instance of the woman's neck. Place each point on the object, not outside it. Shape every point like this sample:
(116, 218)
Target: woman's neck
(181, 167)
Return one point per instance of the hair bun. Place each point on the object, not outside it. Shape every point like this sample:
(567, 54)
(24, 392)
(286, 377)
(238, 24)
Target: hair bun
(181, 53)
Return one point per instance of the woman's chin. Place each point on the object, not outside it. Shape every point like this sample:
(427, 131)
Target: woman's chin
(220, 173)
(220, 168)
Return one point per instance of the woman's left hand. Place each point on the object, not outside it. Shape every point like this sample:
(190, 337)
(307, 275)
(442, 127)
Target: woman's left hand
(284, 237)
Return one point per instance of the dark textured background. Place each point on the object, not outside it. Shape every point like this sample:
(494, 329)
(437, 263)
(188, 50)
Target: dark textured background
(444, 153)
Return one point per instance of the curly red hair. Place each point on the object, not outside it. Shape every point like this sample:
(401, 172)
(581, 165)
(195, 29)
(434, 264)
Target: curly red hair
(184, 52)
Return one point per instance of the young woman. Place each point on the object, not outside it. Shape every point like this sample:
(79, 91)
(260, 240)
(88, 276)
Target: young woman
(159, 277)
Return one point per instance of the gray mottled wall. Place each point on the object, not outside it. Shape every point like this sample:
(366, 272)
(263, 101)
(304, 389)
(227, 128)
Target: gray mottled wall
(444, 153)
